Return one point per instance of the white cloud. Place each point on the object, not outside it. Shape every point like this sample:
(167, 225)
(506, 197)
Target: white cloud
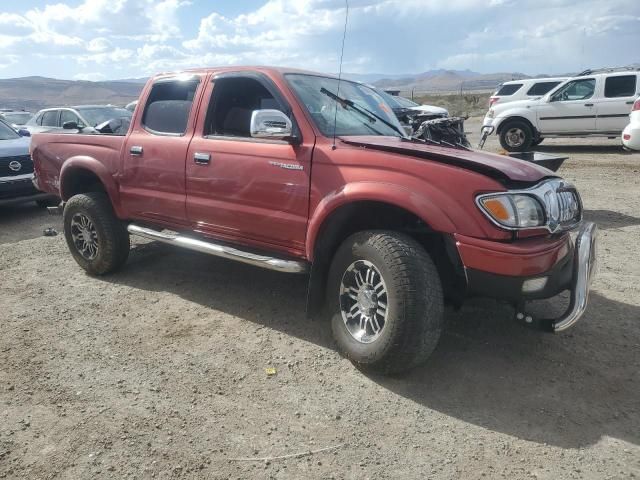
(139, 37)
(91, 77)
(98, 45)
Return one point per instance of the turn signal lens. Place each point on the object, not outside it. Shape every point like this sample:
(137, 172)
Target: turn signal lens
(513, 210)
(499, 208)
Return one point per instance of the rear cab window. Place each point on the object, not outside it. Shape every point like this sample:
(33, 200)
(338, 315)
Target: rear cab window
(508, 89)
(620, 86)
(169, 105)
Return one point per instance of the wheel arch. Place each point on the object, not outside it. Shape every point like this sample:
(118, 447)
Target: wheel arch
(340, 219)
(520, 118)
(369, 194)
(82, 174)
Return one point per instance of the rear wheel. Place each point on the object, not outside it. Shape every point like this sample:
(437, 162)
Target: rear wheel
(97, 239)
(516, 136)
(386, 302)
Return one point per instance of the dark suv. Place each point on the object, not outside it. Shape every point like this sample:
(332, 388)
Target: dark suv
(16, 170)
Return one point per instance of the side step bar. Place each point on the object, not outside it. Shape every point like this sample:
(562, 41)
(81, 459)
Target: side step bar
(224, 251)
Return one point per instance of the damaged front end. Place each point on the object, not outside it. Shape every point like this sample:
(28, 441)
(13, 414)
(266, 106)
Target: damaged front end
(434, 127)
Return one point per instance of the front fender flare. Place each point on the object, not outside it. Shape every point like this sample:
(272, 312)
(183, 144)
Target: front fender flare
(391, 194)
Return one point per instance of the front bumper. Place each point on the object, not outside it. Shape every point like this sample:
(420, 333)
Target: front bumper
(486, 130)
(532, 272)
(19, 189)
(584, 267)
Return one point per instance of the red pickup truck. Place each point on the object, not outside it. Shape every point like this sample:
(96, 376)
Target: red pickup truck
(300, 173)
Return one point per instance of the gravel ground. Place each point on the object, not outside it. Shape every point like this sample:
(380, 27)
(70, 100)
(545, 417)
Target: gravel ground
(159, 371)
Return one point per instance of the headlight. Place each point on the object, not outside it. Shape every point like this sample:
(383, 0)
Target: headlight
(491, 113)
(513, 210)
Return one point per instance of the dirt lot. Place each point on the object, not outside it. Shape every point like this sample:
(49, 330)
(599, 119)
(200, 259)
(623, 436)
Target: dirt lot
(159, 371)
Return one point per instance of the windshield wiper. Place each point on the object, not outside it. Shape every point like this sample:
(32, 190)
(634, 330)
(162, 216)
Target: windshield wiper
(365, 112)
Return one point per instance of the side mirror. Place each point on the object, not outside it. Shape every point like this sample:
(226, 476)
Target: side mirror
(270, 124)
(23, 132)
(70, 126)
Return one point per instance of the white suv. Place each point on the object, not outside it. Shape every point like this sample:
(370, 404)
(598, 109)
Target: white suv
(524, 89)
(596, 103)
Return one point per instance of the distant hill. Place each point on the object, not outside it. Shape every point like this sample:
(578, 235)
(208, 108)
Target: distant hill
(35, 93)
(374, 78)
(447, 81)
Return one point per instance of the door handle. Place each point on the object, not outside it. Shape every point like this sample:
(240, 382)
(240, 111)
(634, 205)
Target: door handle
(629, 102)
(588, 104)
(202, 158)
(135, 150)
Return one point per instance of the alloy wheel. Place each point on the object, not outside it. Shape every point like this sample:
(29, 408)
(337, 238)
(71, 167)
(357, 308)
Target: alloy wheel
(515, 137)
(85, 236)
(363, 301)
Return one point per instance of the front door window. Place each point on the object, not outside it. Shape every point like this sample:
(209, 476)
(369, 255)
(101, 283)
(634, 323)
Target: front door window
(576, 90)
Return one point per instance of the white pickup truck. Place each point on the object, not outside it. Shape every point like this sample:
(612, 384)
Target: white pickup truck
(596, 103)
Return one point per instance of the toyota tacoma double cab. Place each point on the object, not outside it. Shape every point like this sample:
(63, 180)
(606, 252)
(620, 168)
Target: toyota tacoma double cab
(304, 173)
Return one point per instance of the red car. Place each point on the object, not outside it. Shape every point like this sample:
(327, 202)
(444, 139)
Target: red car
(300, 173)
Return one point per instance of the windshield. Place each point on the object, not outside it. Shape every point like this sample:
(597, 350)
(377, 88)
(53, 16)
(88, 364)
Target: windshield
(369, 113)
(17, 118)
(97, 115)
(6, 132)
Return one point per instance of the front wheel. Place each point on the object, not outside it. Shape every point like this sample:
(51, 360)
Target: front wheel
(385, 297)
(97, 239)
(516, 136)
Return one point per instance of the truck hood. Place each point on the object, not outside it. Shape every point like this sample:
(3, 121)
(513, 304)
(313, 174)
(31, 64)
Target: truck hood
(14, 147)
(500, 167)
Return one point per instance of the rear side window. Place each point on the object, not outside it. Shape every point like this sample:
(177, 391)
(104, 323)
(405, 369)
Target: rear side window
(620, 86)
(510, 89)
(168, 107)
(50, 118)
(542, 88)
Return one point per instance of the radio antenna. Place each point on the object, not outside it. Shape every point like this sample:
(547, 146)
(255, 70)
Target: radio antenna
(344, 36)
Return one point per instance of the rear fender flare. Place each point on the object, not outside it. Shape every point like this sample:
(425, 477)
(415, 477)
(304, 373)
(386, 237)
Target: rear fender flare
(89, 164)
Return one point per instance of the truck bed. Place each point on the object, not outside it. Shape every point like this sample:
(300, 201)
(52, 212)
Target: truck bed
(53, 149)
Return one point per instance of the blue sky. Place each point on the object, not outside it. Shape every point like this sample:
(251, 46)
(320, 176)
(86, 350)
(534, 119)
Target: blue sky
(111, 39)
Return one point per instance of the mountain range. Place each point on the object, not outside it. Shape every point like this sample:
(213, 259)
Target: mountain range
(35, 93)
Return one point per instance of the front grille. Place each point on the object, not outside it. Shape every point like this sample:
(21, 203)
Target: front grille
(563, 206)
(22, 161)
(569, 207)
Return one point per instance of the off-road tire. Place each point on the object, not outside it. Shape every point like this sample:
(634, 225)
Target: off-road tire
(112, 236)
(521, 126)
(415, 302)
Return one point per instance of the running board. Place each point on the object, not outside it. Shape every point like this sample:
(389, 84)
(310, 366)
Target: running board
(224, 251)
